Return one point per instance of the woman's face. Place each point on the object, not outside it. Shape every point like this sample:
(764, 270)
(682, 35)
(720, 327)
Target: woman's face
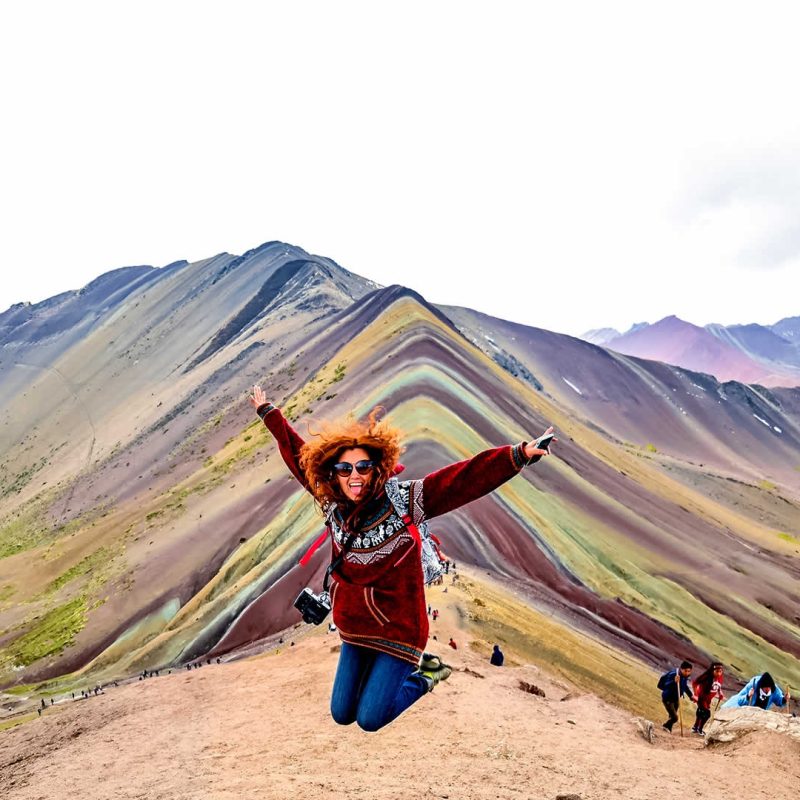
(353, 485)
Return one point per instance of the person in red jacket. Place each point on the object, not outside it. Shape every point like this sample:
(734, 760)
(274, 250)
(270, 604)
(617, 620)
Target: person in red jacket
(707, 686)
(377, 595)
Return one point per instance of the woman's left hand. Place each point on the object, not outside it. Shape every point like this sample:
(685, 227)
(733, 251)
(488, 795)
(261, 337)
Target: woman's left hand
(531, 450)
(257, 396)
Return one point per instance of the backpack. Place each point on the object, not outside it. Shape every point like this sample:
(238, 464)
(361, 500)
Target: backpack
(662, 681)
(430, 555)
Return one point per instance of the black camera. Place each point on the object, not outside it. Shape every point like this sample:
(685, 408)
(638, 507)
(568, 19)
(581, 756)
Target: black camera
(313, 607)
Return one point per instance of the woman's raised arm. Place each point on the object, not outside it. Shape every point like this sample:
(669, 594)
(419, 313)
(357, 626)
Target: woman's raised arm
(288, 439)
(461, 483)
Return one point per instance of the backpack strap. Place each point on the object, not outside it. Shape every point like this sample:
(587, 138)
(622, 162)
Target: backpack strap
(318, 542)
(413, 530)
(396, 499)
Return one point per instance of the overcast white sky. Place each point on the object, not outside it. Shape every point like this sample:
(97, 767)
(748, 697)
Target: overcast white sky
(565, 165)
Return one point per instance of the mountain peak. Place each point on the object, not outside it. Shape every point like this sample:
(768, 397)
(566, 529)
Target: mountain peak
(600, 336)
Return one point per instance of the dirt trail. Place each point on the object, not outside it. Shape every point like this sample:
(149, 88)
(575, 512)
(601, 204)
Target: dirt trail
(259, 728)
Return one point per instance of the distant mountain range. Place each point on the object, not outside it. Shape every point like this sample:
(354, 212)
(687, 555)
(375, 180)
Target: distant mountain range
(765, 355)
(146, 518)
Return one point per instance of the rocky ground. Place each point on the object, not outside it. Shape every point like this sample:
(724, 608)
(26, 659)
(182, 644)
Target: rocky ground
(259, 727)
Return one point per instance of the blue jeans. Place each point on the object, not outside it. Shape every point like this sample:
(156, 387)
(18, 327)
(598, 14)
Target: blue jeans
(373, 688)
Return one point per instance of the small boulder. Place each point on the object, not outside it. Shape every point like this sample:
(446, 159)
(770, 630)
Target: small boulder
(646, 728)
(531, 688)
(732, 723)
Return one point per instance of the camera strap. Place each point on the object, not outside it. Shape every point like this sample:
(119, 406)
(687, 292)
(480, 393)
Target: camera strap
(338, 560)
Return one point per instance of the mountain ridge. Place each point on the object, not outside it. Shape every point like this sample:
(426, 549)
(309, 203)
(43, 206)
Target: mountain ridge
(748, 353)
(167, 527)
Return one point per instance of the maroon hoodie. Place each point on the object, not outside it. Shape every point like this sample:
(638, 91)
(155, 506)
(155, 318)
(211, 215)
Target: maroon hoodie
(378, 594)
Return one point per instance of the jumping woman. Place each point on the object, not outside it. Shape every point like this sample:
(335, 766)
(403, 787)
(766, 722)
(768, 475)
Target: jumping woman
(378, 591)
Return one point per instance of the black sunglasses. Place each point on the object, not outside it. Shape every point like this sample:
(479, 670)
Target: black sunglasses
(362, 467)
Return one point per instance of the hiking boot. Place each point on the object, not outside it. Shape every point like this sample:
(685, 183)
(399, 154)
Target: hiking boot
(438, 672)
(429, 662)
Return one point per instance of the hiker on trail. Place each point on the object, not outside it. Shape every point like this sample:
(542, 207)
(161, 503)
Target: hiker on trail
(452, 643)
(497, 656)
(707, 686)
(378, 595)
(435, 614)
(670, 696)
(760, 691)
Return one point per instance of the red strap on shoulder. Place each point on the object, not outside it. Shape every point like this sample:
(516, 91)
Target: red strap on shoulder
(412, 529)
(314, 547)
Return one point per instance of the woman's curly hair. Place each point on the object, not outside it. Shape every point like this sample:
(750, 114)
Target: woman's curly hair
(320, 452)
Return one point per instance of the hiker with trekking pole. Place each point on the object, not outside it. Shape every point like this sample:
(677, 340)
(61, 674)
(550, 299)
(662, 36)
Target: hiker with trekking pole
(382, 554)
(674, 684)
(707, 686)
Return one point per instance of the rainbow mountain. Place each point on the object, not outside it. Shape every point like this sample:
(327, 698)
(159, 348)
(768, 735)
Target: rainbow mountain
(147, 519)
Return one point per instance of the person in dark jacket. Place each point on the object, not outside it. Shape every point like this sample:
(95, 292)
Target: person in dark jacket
(378, 596)
(670, 693)
(497, 656)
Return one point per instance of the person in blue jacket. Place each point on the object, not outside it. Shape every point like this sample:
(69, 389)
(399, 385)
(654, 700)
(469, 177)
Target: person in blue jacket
(670, 696)
(497, 656)
(760, 692)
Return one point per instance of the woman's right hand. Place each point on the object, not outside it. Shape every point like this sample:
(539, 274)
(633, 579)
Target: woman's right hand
(531, 450)
(257, 396)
